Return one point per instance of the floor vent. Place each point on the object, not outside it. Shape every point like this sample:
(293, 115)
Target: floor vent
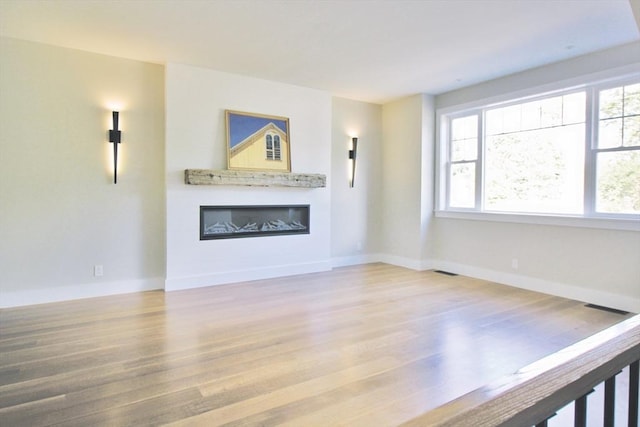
(610, 310)
(445, 272)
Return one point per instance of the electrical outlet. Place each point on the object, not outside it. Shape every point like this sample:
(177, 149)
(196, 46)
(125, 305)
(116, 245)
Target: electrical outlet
(98, 270)
(514, 263)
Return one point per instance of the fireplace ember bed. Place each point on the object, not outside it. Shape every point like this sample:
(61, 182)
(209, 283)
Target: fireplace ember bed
(230, 222)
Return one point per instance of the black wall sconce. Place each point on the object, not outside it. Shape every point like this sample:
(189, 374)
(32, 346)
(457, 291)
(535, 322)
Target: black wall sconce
(114, 138)
(352, 155)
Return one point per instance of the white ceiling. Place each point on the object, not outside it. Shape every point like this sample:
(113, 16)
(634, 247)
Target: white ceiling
(370, 50)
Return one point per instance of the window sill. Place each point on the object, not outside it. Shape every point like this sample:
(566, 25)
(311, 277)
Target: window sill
(562, 221)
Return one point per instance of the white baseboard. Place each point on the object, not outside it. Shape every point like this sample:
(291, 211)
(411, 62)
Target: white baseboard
(592, 296)
(413, 264)
(201, 281)
(355, 260)
(67, 293)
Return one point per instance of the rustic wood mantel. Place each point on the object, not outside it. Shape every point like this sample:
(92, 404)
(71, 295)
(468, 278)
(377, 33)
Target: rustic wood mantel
(255, 179)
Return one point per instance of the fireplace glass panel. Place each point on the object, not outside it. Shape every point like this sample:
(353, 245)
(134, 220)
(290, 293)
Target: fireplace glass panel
(228, 222)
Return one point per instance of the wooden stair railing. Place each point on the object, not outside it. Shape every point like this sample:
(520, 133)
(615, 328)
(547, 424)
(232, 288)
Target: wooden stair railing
(533, 394)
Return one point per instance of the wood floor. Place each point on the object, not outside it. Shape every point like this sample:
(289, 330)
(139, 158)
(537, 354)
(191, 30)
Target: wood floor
(371, 345)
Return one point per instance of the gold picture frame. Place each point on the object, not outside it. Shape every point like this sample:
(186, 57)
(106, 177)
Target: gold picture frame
(257, 142)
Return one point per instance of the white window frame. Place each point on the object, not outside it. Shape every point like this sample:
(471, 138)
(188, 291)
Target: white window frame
(589, 218)
(277, 150)
(477, 161)
(268, 143)
(592, 150)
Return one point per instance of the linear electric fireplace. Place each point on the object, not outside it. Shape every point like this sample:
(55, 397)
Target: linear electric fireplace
(229, 222)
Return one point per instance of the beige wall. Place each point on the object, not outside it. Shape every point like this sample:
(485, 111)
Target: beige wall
(60, 213)
(408, 140)
(589, 263)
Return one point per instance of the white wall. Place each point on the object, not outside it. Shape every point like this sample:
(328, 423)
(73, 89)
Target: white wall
(356, 212)
(196, 99)
(598, 266)
(60, 213)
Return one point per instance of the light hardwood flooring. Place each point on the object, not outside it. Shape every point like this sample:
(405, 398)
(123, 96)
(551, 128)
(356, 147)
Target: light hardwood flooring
(370, 345)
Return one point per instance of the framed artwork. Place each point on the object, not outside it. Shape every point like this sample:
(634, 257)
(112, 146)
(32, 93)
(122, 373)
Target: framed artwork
(257, 142)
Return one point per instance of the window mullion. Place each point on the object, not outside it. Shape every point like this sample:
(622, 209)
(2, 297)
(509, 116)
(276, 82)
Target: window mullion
(448, 165)
(480, 163)
(591, 140)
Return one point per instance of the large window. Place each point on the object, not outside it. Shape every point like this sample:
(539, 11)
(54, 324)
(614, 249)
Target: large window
(571, 153)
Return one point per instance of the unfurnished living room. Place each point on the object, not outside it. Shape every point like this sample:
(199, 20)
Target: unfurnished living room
(319, 213)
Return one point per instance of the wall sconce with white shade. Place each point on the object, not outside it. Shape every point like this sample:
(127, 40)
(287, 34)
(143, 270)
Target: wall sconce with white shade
(115, 137)
(352, 155)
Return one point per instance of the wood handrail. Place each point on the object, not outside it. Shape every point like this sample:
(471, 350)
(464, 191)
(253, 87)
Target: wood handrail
(538, 390)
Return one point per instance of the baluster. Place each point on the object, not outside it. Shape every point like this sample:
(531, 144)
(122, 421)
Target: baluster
(633, 393)
(580, 411)
(609, 401)
(545, 422)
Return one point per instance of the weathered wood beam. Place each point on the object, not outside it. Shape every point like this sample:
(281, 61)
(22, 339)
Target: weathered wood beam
(254, 179)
